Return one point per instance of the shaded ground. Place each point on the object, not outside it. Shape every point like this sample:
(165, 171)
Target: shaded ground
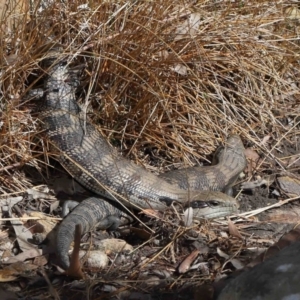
(133, 276)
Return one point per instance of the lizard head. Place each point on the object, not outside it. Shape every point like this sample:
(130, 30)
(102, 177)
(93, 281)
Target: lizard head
(210, 205)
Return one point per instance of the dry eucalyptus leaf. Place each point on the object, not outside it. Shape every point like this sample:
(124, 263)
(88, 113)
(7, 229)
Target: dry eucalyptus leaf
(289, 185)
(40, 194)
(10, 272)
(186, 264)
(45, 223)
(7, 275)
(31, 253)
(222, 253)
(188, 217)
(223, 234)
(237, 263)
(53, 206)
(7, 203)
(23, 235)
(267, 180)
(233, 230)
(40, 260)
(252, 156)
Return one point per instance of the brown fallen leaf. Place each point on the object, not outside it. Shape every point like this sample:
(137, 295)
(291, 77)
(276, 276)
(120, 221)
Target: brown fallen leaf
(238, 265)
(7, 275)
(186, 263)
(289, 185)
(13, 271)
(31, 253)
(222, 253)
(233, 230)
(43, 228)
(40, 260)
(253, 160)
(23, 235)
(21, 268)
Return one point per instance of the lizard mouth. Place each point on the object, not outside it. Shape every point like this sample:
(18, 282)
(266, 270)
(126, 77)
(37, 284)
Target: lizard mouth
(212, 209)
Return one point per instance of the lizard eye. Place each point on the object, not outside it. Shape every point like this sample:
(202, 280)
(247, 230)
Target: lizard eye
(203, 204)
(213, 203)
(198, 204)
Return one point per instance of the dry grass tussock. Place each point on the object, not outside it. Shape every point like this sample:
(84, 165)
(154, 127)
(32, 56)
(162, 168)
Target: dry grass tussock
(166, 81)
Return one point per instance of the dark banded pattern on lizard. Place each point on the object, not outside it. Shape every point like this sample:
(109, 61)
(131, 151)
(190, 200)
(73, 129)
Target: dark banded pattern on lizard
(87, 156)
(219, 177)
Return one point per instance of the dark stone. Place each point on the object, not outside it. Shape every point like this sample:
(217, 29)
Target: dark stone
(277, 278)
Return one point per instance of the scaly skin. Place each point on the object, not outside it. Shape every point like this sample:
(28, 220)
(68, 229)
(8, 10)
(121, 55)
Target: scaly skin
(96, 213)
(87, 156)
(231, 162)
(90, 214)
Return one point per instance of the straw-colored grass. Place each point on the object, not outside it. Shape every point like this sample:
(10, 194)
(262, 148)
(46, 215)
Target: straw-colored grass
(165, 81)
(163, 89)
